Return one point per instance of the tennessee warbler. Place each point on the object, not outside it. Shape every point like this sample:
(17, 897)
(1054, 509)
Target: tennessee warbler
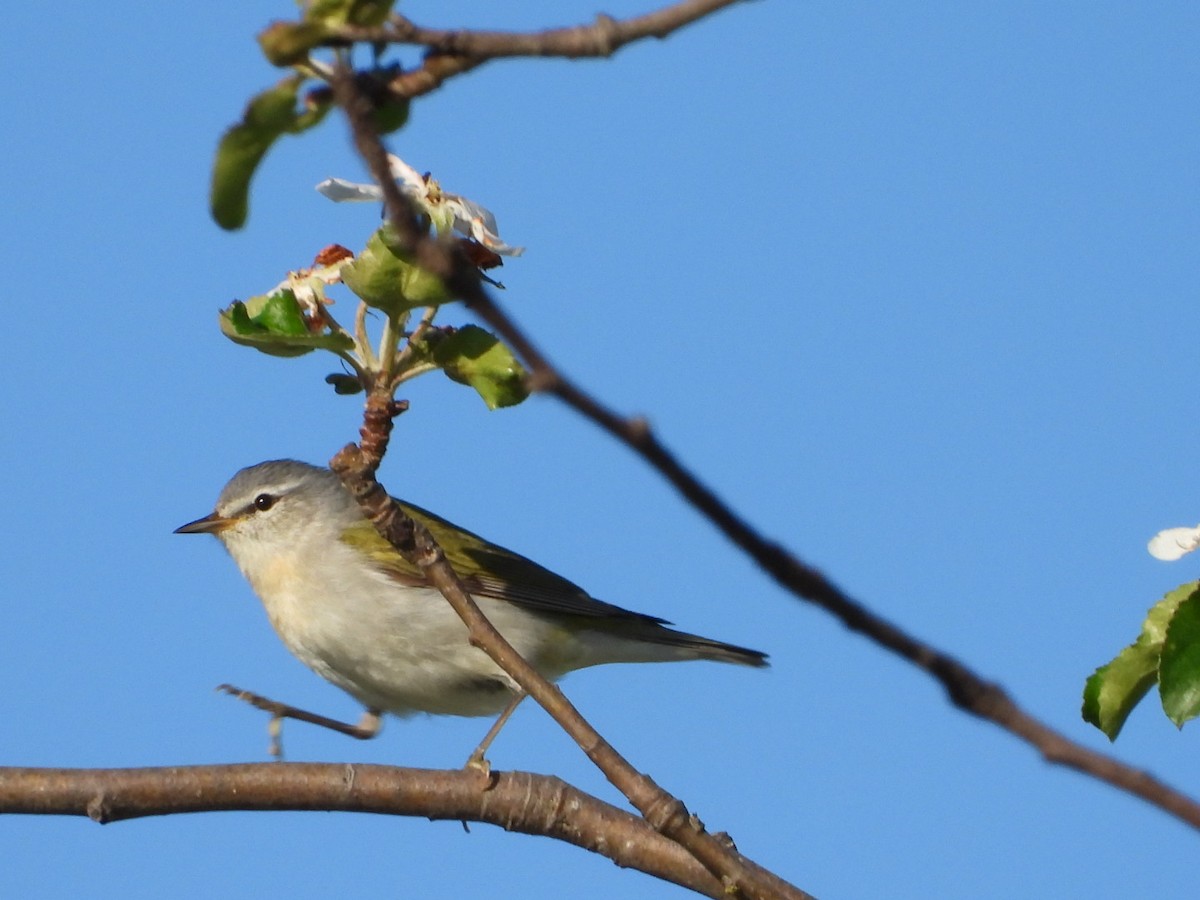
(349, 606)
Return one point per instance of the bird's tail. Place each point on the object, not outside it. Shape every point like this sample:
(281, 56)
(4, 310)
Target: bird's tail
(648, 641)
(697, 647)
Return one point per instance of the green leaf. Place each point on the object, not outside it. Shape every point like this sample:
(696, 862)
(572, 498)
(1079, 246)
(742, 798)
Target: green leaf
(1179, 665)
(349, 12)
(242, 148)
(386, 278)
(344, 384)
(287, 43)
(1115, 689)
(476, 357)
(389, 113)
(278, 314)
(274, 324)
(268, 116)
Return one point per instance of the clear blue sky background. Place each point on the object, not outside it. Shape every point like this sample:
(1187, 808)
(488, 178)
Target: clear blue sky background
(913, 285)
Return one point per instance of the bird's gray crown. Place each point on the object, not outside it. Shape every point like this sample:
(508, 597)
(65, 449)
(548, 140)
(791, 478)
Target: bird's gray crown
(277, 477)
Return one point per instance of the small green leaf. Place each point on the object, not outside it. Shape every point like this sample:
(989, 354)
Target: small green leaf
(349, 12)
(268, 115)
(287, 43)
(244, 145)
(1179, 665)
(237, 325)
(476, 357)
(389, 113)
(242, 148)
(274, 324)
(278, 314)
(1115, 689)
(385, 278)
(344, 384)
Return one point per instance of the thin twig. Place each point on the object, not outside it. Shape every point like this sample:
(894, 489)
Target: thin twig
(404, 367)
(966, 689)
(453, 52)
(363, 339)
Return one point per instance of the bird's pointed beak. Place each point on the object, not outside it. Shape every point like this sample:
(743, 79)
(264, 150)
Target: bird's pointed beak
(210, 524)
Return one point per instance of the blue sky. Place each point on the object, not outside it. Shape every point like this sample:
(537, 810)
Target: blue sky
(912, 285)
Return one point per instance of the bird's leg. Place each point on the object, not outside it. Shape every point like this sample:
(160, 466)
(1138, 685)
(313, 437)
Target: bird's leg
(477, 760)
(366, 728)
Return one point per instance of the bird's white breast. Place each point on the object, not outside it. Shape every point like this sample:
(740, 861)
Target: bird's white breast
(395, 648)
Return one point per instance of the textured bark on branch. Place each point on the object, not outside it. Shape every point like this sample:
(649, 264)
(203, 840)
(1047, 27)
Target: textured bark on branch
(516, 801)
(455, 51)
(966, 689)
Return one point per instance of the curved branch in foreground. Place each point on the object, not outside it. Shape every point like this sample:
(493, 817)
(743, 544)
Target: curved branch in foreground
(453, 52)
(967, 689)
(516, 801)
(356, 466)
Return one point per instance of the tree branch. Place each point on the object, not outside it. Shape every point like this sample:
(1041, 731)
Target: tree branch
(516, 801)
(967, 689)
(356, 465)
(453, 52)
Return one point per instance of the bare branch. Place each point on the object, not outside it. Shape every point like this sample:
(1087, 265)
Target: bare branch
(453, 52)
(967, 689)
(516, 801)
(602, 38)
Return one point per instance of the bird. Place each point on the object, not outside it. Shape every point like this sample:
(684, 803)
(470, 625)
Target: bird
(347, 604)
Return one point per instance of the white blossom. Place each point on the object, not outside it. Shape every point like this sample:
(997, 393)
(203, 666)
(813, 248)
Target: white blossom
(1173, 543)
(447, 211)
(308, 285)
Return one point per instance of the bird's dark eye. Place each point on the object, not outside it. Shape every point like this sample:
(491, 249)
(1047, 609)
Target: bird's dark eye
(263, 502)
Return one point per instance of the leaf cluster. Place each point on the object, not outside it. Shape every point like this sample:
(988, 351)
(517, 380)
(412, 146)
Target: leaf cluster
(281, 110)
(294, 318)
(1167, 652)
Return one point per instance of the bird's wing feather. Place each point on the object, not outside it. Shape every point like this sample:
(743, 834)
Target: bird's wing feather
(488, 570)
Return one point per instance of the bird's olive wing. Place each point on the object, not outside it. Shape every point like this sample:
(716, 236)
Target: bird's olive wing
(487, 570)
